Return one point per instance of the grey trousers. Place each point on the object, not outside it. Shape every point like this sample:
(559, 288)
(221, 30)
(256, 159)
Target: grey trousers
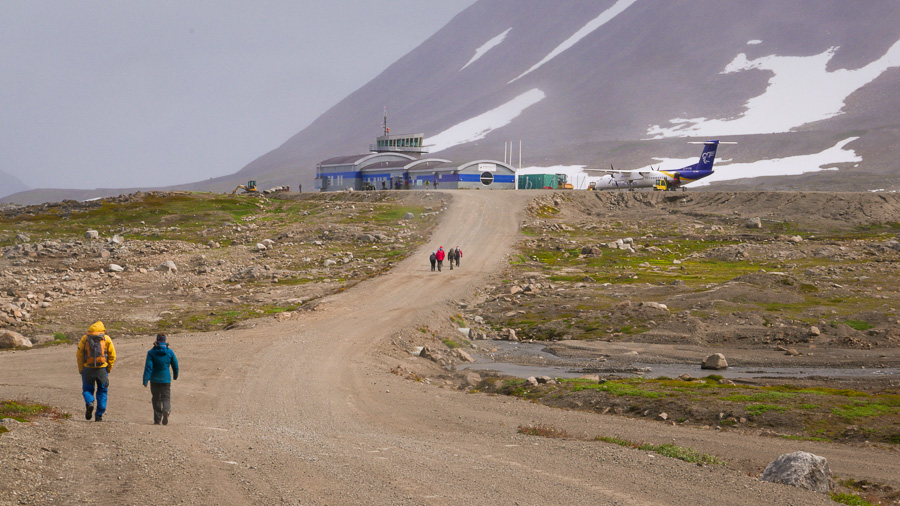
(162, 395)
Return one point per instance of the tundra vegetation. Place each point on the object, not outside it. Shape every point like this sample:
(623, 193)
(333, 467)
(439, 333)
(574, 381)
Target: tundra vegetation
(237, 257)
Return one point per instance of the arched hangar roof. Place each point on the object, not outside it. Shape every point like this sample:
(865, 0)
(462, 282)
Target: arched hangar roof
(366, 159)
(495, 162)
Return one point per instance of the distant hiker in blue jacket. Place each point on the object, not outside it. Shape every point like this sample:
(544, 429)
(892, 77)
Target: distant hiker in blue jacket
(156, 371)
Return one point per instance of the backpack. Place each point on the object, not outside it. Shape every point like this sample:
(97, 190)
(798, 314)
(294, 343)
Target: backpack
(96, 353)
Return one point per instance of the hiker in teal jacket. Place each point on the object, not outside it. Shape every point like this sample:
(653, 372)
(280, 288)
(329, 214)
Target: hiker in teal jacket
(156, 371)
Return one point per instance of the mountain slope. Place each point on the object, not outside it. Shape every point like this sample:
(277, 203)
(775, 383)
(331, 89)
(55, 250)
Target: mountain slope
(625, 82)
(783, 78)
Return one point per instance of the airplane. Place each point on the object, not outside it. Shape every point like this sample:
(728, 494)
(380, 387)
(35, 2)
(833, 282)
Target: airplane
(665, 180)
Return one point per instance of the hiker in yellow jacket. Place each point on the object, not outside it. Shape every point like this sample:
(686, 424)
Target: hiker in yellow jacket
(96, 356)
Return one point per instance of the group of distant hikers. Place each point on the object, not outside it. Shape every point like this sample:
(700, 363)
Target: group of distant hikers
(96, 356)
(452, 256)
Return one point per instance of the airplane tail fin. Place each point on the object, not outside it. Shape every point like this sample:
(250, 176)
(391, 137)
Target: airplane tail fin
(708, 157)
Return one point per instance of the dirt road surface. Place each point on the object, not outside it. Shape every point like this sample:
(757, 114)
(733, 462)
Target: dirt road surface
(306, 411)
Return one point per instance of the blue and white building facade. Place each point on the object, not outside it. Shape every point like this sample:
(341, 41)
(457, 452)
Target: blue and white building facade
(394, 165)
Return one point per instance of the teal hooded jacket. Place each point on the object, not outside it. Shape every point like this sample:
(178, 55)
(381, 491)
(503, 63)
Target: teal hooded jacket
(159, 359)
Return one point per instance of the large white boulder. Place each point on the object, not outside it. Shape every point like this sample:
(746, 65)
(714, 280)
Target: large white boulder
(800, 469)
(716, 361)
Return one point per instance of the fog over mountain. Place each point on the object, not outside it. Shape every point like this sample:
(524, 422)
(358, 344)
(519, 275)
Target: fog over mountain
(10, 184)
(807, 89)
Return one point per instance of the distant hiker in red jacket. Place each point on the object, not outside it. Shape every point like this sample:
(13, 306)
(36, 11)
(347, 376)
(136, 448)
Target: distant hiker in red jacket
(440, 255)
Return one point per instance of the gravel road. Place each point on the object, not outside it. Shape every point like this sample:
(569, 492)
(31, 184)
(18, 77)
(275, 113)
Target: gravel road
(306, 411)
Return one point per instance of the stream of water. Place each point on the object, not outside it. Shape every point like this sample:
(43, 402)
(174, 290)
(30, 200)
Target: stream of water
(504, 362)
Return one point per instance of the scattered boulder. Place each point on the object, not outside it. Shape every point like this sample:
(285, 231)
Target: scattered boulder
(655, 305)
(10, 339)
(409, 216)
(477, 335)
(430, 354)
(716, 361)
(814, 331)
(462, 355)
(472, 379)
(754, 223)
(511, 336)
(92, 234)
(115, 268)
(800, 469)
(167, 266)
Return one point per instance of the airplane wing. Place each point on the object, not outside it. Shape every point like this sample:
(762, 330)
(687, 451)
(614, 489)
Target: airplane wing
(622, 175)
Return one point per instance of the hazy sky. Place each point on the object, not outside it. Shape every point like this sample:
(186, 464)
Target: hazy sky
(122, 94)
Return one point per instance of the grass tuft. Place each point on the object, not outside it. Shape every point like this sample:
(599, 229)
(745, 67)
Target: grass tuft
(670, 450)
(543, 431)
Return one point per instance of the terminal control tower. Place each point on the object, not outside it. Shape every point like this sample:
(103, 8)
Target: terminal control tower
(412, 144)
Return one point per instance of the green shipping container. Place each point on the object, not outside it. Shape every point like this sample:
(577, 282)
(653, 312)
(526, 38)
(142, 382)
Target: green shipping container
(537, 181)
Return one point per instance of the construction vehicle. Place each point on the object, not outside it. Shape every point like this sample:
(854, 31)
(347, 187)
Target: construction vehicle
(562, 182)
(249, 188)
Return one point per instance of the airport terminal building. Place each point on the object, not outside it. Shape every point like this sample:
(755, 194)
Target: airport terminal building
(395, 163)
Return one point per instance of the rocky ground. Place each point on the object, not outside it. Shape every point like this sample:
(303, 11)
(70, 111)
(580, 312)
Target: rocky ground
(601, 283)
(171, 262)
(614, 285)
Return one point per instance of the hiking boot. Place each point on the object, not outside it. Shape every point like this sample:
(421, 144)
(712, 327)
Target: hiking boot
(165, 419)
(88, 411)
(98, 418)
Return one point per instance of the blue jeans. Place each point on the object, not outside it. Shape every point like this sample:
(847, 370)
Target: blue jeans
(91, 377)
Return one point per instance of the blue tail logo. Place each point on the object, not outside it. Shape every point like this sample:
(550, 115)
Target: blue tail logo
(708, 156)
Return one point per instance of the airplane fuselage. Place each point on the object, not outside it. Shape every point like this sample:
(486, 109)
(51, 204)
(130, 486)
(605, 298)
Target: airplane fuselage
(647, 179)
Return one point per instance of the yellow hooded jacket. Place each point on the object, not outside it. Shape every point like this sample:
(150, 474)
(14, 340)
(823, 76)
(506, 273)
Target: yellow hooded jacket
(108, 352)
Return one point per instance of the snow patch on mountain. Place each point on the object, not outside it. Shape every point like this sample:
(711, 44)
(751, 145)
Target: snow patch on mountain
(754, 42)
(477, 128)
(586, 30)
(800, 91)
(487, 46)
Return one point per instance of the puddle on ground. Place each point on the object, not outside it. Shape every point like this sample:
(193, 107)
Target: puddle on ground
(560, 367)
